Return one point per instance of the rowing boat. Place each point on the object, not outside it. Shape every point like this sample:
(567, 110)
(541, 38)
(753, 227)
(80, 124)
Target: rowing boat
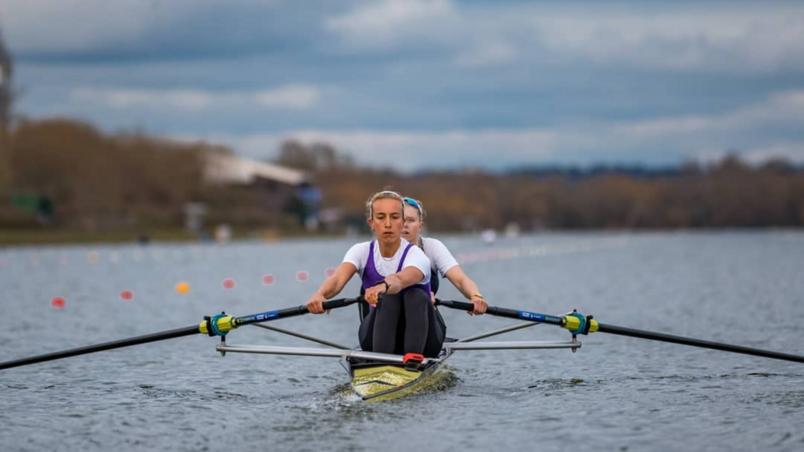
(380, 376)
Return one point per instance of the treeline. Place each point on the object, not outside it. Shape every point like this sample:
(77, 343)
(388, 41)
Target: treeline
(66, 174)
(729, 193)
(62, 174)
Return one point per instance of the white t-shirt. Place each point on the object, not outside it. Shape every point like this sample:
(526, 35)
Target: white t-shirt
(440, 257)
(358, 256)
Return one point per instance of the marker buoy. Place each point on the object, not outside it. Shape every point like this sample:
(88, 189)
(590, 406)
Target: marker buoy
(182, 287)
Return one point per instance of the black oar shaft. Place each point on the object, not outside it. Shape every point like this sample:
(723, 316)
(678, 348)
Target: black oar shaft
(101, 347)
(622, 331)
(504, 312)
(290, 312)
(170, 334)
(631, 332)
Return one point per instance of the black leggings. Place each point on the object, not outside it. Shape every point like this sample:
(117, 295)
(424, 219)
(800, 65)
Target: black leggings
(403, 323)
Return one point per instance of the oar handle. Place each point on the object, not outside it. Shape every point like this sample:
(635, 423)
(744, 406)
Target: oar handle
(454, 304)
(278, 314)
(339, 303)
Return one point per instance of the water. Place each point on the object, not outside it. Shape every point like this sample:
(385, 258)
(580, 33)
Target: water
(614, 394)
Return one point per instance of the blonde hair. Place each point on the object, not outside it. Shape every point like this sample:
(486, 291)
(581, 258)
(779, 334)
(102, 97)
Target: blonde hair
(385, 194)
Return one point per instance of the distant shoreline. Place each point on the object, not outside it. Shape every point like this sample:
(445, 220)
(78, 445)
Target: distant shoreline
(33, 237)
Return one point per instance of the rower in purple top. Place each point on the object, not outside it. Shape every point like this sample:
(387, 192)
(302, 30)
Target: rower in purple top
(396, 280)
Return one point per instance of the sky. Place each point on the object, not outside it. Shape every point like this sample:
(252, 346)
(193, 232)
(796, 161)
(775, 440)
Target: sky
(421, 84)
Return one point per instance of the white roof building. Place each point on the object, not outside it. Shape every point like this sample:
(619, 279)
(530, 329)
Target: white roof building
(223, 168)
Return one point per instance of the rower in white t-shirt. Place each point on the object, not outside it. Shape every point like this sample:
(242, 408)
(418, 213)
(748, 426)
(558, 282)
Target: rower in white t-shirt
(443, 262)
(395, 275)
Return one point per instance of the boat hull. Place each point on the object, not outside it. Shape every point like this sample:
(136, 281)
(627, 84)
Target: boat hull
(383, 381)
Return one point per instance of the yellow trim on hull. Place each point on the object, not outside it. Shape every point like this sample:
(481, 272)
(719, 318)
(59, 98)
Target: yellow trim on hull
(386, 382)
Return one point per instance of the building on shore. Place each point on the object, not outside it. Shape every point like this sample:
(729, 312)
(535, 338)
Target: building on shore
(270, 188)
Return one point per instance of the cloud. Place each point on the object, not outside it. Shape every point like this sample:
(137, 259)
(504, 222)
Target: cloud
(288, 97)
(442, 82)
(668, 140)
(98, 30)
(296, 97)
(793, 151)
(409, 150)
(492, 53)
(388, 24)
(779, 110)
(768, 128)
(58, 25)
(742, 38)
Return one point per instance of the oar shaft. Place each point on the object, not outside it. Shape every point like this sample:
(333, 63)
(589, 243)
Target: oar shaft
(570, 322)
(642, 334)
(101, 347)
(290, 312)
(505, 312)
(170, 334)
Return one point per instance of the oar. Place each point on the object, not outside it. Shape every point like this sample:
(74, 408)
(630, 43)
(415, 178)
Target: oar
(578, 323)
(217, 325)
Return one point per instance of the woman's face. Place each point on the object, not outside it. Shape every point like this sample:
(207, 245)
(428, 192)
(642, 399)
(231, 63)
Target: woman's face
(386, 221)
(413, 224)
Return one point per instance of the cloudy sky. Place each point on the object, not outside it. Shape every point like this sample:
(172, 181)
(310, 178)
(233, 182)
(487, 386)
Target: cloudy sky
(425, 84)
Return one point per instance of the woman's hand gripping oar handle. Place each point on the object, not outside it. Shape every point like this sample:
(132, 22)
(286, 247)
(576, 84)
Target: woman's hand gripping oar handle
(217, 325)
(578, 323)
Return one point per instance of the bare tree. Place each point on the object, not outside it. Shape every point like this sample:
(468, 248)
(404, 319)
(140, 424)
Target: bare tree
(317, 157)
(296, 155)
(6, 99)
(6, 95)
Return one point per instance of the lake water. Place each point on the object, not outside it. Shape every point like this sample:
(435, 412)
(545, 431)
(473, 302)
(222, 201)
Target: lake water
(615, 393)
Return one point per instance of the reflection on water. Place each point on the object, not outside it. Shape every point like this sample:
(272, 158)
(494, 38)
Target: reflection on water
(617, 393)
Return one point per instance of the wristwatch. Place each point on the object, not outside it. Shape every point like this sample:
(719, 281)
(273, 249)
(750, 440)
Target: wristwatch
(387, 286)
